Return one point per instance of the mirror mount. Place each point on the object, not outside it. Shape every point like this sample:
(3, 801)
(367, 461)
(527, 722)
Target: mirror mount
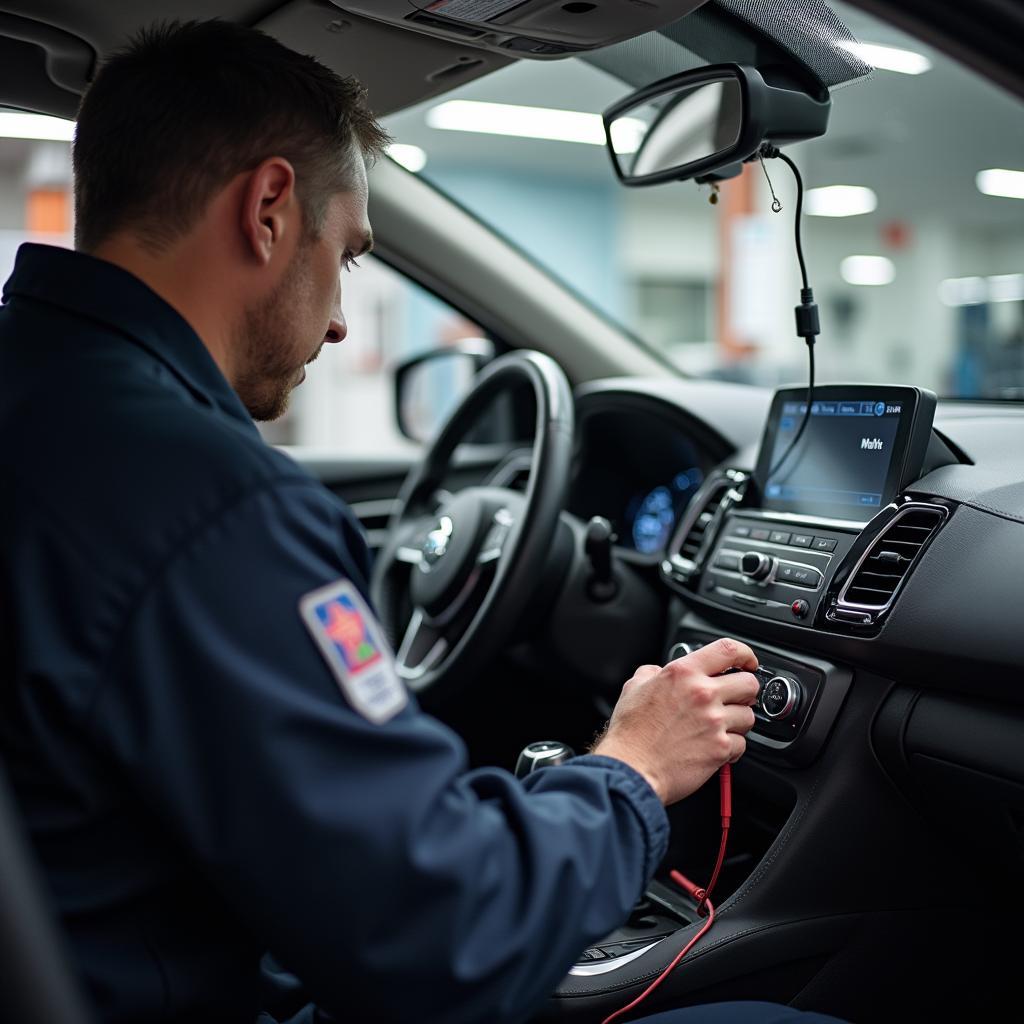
(739, 106)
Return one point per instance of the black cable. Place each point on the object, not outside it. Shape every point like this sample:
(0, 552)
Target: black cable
(799, 216)
(807, 415)
(807, 324)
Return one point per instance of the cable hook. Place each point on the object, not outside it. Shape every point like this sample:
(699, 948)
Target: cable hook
(776, 204)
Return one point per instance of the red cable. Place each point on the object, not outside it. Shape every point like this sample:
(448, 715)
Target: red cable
(702, 896)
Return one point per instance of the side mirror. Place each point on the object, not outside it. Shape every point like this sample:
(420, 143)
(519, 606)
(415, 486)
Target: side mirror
(429, 386)
(697, 123)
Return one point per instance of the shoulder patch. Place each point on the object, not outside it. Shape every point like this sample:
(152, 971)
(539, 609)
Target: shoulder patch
(355, 651)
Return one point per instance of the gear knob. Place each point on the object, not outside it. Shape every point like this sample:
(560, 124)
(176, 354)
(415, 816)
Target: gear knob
(542, 754)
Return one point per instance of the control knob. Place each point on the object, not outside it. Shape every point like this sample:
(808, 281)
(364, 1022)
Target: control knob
(756, 565)
(780, 697)
(681, 650)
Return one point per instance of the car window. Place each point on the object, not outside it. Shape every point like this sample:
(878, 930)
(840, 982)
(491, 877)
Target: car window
(347, 403)
(914, 233)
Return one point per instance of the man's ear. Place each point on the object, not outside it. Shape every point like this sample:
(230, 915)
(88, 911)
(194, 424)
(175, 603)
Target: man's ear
(270, 207)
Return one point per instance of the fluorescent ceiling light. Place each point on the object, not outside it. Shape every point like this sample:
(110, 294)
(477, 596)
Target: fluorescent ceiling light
(963, 291)
(16, 125)
(889, 58)
(412, 158)
(627, 134)
(867, 270)
(973, 291)
(1006, 288)
(997, 181)
(532, 123)
(840, 201)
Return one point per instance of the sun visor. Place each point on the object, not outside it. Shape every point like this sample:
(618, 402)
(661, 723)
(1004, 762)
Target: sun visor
(415, 69)
(536, 29)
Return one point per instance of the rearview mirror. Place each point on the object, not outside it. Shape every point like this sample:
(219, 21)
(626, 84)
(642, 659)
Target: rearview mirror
(702, 121)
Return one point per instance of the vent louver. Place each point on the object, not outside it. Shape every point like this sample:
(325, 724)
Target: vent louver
(885, 566)
(697, 524)
(694, 539)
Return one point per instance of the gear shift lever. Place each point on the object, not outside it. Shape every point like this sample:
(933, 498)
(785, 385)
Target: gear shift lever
(542, 754)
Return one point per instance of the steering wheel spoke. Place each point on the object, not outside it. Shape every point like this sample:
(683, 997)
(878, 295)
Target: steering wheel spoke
(408, 537)
(494, 542)
(423, 648)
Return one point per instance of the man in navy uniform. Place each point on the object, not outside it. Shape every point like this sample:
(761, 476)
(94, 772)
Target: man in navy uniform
(200, 782)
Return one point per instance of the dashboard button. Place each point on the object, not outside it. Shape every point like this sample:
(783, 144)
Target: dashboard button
(726, 560)
(800, 575)
(800, 609)
(801, 540)
(779, 537)
(741, 531)
(760, 534)
(825, 543)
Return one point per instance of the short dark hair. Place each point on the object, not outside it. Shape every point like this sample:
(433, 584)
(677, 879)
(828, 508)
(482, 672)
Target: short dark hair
(184, 108)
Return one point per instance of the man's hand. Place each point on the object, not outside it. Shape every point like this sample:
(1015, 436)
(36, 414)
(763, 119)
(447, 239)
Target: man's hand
(679, 724)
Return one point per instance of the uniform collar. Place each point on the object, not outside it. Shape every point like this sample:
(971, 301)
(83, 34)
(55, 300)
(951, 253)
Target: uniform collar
(103, 292)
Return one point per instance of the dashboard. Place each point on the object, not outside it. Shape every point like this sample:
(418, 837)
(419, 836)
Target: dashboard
(956, 482)
(639, 466)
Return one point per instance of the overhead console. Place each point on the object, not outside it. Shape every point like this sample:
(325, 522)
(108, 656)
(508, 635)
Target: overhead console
(538, 29)
(823, 534)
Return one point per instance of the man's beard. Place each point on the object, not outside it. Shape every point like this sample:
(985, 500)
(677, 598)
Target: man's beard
(269, 371)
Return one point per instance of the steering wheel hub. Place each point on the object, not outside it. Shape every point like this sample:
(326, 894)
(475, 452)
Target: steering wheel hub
(448, 553)
(435, 547)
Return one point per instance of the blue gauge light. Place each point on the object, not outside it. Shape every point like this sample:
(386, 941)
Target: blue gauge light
(689, 480)
(654, 521)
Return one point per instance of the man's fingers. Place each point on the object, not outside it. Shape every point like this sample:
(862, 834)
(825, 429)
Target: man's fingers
(646, 671)
(739, 747)
(643, 673)
(739, 688)
(739, 719)
(722, 655)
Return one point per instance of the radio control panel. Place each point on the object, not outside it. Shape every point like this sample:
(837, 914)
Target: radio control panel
(775, 569)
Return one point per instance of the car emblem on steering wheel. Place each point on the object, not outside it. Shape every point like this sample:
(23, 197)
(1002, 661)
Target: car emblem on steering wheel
(436, 544)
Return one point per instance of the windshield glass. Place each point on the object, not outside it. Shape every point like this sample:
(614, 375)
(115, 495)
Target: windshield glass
(914, 231)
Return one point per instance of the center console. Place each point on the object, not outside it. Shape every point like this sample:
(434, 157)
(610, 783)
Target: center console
(820, 536)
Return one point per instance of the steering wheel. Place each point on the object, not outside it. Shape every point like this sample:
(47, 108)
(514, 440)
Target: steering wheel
(457, 570)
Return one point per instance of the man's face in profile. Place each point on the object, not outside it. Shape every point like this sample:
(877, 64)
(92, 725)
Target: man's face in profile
(285, 331)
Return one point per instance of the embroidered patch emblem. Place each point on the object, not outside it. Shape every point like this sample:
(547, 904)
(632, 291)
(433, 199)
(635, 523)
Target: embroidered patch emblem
(351, 642)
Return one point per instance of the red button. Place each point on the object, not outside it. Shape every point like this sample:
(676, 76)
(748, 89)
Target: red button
(799, 608)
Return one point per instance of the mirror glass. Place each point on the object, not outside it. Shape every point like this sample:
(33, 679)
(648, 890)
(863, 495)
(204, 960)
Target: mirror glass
(431, 389)
(678, 128)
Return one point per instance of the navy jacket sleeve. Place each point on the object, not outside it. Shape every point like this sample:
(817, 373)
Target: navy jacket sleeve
(366, 857)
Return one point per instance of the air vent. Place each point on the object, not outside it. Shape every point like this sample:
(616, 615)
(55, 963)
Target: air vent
(700, 522)
(693, 540)
(887, 563)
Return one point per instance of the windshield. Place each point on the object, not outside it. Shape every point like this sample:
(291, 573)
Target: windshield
(914, 231)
